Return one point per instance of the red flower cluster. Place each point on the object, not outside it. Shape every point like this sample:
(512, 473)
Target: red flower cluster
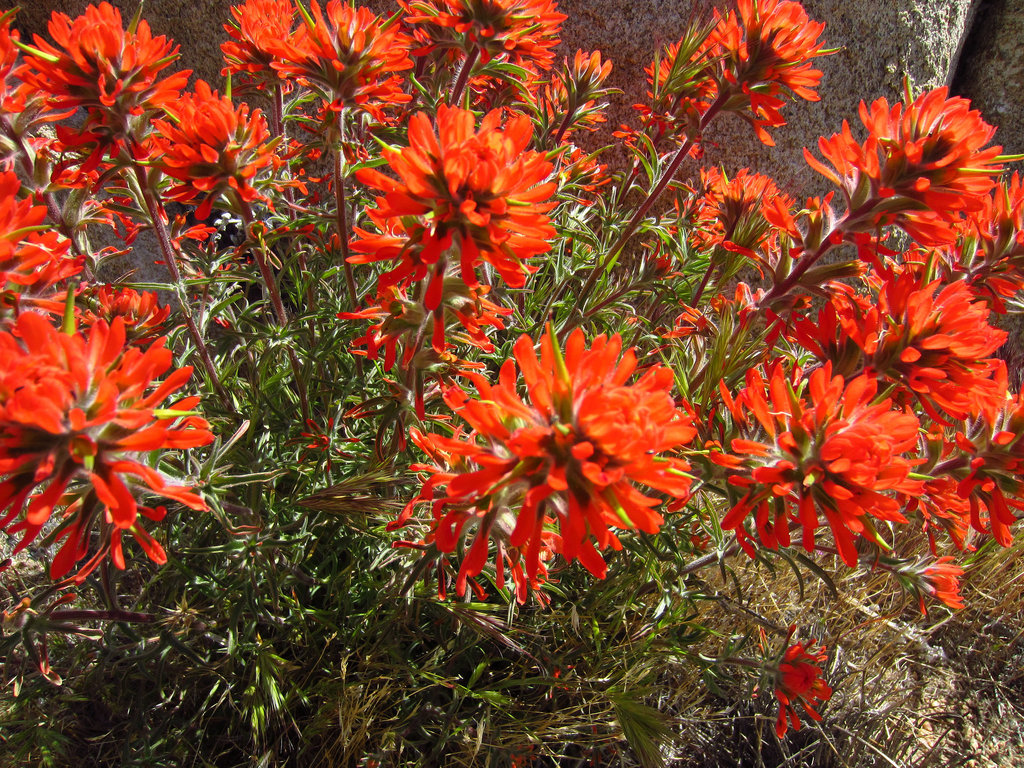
(799, 681)
(682, 87)
(920, 167)
(745, 63)
(256, 33)
(33, 258)
(520, 31)
(767, 46)
(990, 250)
(990, 470)
(95, 64)
(932, 343)
(730, 213)
(569, 101)
(350, 57)
(211, 148)
(838, 450)
(78, 413)
(568, 456)
(477, 194)
(143, 317)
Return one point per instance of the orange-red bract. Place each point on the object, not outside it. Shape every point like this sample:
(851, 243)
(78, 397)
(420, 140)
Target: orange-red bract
(95, 64)
(78, 413)
(921, 165)
(348, 55)
(799, 681)
(569, 455)
(212, 148)
(475, 196)
(833, 450)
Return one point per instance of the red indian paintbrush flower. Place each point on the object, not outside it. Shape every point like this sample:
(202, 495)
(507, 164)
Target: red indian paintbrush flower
(350, 57)
(989, 466)
(258, 28)
(212, 148)
(920, 167)
(144, 319)
(478, 193)
(933, 343)
(941, 580)
(523, 32)
(33, 258)
(682, 87)
(799, 681)
(990, 251)
(569, 102)
(766, 47)
(730, 213)
(570, 453)
(833, 450)
(95, 64)
(78, 414)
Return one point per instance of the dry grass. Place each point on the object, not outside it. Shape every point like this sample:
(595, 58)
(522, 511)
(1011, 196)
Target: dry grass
(909, 691)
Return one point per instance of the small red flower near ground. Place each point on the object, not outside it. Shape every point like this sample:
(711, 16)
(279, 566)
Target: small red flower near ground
(478, 194)
(569, 455)
(834, 450)
(941, 580)
(212, 148)
(78, 413)
(799, 681)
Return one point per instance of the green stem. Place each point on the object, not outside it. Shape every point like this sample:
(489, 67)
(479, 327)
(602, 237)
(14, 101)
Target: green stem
(270, 280)
(651, 198)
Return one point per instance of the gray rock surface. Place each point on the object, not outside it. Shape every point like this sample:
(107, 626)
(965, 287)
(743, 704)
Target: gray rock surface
(991, 71)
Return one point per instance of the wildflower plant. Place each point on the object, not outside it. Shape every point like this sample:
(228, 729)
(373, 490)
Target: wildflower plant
(426, 381)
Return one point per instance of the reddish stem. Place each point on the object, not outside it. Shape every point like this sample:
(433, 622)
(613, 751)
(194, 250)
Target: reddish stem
(156, 214)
